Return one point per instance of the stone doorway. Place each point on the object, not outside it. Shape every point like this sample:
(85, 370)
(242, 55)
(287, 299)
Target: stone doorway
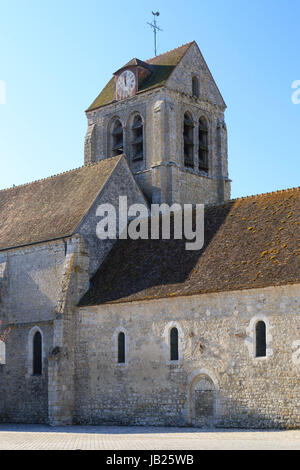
(203, 401)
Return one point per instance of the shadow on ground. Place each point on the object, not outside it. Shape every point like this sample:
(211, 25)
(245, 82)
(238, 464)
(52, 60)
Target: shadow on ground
(114, 430)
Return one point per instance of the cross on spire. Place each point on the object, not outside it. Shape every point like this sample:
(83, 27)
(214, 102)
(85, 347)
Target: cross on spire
(155, 28)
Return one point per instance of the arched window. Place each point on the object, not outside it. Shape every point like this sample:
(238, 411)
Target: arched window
(203, 145)
(137, 144)
(195, 87)
(37, 354)
(188, 140)
(260, 339)
(174, 355)
(121, 348)
(117, 138)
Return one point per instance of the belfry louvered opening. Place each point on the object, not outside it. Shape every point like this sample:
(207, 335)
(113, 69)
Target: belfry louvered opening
(117, 138)
(203, 145)
(137, 143)
(188, 140)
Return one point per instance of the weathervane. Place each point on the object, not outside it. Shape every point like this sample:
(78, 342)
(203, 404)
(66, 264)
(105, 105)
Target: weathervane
(155, 28)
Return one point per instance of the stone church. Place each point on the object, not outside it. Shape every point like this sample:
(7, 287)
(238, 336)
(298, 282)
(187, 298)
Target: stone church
(144, 332)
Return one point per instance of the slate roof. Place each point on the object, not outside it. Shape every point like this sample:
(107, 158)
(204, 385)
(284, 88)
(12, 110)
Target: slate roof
(249, 243)
(163, 66)
(53, 207)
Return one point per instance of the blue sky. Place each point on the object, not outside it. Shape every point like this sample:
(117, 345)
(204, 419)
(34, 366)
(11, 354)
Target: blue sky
(57, 55)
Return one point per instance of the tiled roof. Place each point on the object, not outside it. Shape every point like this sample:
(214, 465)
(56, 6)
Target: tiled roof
(249, 243)
(163, 65)
(50, 208)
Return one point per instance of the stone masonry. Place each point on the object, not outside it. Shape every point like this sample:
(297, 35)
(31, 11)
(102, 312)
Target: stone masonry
(216, 345)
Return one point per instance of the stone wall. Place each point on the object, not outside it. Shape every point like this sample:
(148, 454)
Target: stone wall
(25, 397)
(28, 301)
(190, 188)
(120, 183)
(34, 275)
(193, 65)
(216, 355)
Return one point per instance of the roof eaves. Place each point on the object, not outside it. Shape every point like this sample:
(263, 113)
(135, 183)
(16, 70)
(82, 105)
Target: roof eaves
(186, 294)
(159, 85)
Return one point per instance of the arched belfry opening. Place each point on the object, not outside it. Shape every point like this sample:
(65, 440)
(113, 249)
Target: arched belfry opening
(137, 139)
(188, 140)
(203, 154)
(117, 138)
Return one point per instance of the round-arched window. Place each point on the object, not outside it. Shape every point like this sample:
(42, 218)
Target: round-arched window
(195, 87)
(174, 353)
(121, 348)
(37, 354)
(260, 339)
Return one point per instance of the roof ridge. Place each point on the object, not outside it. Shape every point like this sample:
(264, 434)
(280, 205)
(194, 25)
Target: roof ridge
(296, 188)
(241, 198)
(171, 50)
(58, 174)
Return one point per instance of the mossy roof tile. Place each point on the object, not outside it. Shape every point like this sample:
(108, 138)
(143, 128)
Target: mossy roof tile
(163, 65)
(249, 243)
(50, 208)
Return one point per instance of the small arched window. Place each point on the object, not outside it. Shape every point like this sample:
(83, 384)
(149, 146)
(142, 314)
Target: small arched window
(37, 354)
(121, 348)
(203, 145)
(260, 339)
(174, 353)
(117, 138)
(188, 140)
(137, 144)
(195, 87)
(2, 352)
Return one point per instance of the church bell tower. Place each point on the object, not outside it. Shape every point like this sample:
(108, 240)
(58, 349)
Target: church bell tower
(166, 115)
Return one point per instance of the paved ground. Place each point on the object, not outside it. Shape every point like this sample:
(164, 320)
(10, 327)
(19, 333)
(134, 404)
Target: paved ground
(37, 437)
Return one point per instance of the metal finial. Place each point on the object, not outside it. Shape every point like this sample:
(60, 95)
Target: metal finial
(155, 28)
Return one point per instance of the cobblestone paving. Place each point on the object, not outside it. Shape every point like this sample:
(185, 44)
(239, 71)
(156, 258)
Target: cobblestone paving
(36, 437)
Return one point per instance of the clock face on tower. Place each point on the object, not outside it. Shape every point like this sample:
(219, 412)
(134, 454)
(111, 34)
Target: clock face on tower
(125, 85)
